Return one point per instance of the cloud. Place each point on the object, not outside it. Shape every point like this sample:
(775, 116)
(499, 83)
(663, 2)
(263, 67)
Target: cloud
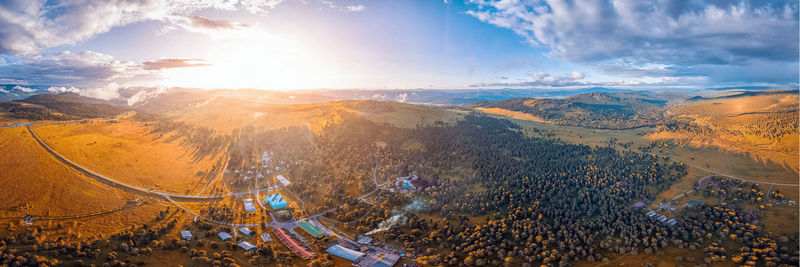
(61, 89)
(576, 75)
(24, 89)
(575, 79)
(659, 31)
(85, 68)
(203, 22)
(356, 8)
(541, 79)
(142, 95)
(171, 63)
(107, 92)
(27, 26)
(217, 29)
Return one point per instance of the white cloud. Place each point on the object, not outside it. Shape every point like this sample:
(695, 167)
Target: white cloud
(576, 75)
(658, 31)
(85, 68)
(26, 26)
(356, 8)
(24, 89)
(142, 95)
(107, 92)
(62, 89)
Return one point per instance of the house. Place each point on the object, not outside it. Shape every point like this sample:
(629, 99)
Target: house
(638, 204)
(364, 240)
(246, 246)
(276, 201)
(249, 205)
(224, 236)
(671, 222)
(282, 180)
(266, 237)
(185, 234)
(245, 231)
(662, 218)
(344, 253)
(651, 213)
(387, 260)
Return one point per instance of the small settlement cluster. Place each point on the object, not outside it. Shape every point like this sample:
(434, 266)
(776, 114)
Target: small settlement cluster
(360, 253)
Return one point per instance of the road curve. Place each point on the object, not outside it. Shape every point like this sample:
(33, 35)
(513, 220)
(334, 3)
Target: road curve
(132, 187)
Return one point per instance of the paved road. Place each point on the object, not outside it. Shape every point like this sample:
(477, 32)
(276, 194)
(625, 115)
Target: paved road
(132, 187)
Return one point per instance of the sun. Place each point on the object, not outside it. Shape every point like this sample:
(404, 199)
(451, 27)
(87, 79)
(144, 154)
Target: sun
(276, 64)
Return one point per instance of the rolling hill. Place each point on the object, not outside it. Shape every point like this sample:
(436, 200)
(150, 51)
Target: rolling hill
(592, 110)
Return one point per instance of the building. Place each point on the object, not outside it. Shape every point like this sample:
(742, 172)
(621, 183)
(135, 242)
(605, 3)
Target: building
(249, 205)
(639, 205)
(312, 230)
(651, 213)
(265, 237)
(283, 214)
(344, 253)
(387, 260)
(663, 218)
(364, 240)
(671, 222)
(185, 234)
(246, 246)
(693, 203)
(245, 231)
(282, 180)
(224, 236)
(276, 201)
(292, 244)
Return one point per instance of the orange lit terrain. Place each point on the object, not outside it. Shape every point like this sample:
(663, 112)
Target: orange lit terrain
(35, 183)
(762, 125)
(125, 151)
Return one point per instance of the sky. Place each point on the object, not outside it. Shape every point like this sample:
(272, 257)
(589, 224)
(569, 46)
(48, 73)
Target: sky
(98, 47)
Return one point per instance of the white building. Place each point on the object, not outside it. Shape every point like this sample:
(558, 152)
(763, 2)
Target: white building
(245, 231)
(249, 205)
(282, 180)
(185, 234)
(265, 237)
(224, 236)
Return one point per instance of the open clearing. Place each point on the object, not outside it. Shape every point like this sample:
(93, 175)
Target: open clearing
(126, 151)
(35, 183)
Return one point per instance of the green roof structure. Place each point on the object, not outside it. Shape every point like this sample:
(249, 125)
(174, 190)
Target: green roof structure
(311, 229)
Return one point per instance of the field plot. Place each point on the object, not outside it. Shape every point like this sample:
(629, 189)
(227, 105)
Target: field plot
(126, 152)
(35, 183)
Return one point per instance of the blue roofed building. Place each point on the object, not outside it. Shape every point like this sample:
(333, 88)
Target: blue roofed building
(276, 201)
(344, 253)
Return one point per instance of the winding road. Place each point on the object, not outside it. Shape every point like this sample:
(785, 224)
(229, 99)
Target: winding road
(132, 187)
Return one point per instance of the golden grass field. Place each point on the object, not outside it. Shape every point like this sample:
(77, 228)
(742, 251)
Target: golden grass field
(126, 152)
(224, 114)
(33, 182)
(734, 121)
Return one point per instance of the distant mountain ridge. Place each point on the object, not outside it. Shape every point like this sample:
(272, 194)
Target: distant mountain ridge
(593, 110)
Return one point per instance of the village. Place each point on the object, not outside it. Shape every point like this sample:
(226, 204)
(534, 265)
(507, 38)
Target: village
(291, 227)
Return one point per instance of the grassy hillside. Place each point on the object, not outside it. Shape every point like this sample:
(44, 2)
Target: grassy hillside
(58, 107)
(32, 182)
(128, 152)
(223, 114)
(592, 110)
(762, 124)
